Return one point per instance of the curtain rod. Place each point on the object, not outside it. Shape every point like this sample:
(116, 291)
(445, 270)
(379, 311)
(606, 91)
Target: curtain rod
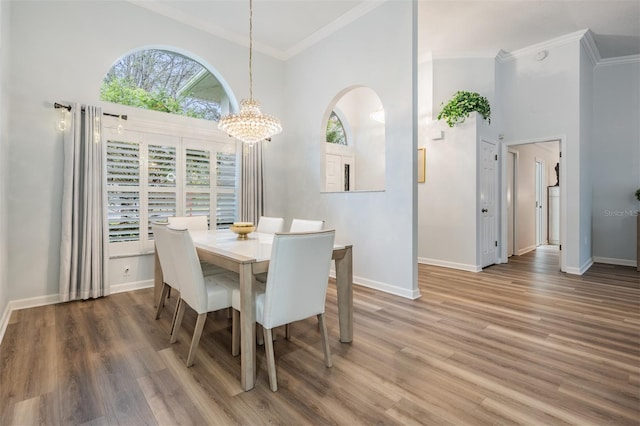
(68, 108)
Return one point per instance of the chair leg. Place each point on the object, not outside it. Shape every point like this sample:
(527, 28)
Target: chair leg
(325, 340)
(175, 316)
(163, 295)
(287, 331)
(197, 333)
(259, 335)
(271, 362)
(178, 322)
(235, 333)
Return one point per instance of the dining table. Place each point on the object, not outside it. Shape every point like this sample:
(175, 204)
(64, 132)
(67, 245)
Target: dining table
(250, 257)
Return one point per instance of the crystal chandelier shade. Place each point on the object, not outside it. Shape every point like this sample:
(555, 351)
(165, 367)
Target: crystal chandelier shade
(250, 125)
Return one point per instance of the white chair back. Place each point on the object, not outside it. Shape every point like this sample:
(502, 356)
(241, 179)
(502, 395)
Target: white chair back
(298, 278)
(303, 225)
(270, 225)
(163, 248)
(192, 223)
(188, 270)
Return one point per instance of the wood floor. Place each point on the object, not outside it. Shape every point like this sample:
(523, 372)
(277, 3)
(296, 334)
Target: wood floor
(514, 344)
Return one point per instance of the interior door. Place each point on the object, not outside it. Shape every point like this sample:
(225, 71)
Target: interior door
(488, 203)
(333, 175)
(539, 198)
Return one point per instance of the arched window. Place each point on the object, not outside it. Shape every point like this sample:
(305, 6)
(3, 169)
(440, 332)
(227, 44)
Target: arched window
(165, 81)
(335, 130)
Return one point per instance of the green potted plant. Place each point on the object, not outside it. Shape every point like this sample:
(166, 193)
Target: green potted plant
(462, 103)
(638, 194)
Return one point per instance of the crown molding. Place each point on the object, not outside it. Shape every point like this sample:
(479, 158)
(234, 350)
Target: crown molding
(324, 32)
(204, 25)
(504, 56)
(589, 44)
(620, 60)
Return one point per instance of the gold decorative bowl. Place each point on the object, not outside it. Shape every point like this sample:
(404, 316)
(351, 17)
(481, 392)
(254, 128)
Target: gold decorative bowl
(242, 229)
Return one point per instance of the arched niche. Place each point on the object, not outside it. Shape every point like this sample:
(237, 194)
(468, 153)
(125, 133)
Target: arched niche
(355, 162)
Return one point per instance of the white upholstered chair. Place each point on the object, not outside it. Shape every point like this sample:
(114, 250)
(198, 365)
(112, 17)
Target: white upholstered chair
(270, 225)
(192, 223)
(196, 223)
(169, 275)
(202, 293)
(303, 225)
(296, 289)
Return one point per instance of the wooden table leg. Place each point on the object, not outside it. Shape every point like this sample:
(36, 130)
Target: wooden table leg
(247, 328)
(344, 285)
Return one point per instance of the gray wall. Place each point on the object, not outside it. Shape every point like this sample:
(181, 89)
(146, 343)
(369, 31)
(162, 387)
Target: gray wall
(616, 161)
(60, 51)
(4, 150)
(374, 51)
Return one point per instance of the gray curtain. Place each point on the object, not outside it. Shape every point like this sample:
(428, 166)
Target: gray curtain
(252, 186)
(83, 247)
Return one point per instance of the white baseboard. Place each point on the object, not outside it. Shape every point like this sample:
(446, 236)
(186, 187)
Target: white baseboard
(452, 265)
(579, 271)
(4, 321)
(613, 261)
(387, 288)
(526, 250)
(137, 285)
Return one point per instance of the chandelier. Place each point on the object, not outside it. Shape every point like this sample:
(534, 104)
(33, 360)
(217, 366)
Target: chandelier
(250, 125)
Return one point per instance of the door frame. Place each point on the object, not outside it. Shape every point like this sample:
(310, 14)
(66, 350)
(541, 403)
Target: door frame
(497, 201)
(503, 257)
(514, 205)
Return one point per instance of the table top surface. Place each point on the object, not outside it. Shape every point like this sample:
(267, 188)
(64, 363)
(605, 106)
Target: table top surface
(256, 248)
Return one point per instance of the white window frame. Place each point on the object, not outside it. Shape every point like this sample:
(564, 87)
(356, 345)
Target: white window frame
(181, 133)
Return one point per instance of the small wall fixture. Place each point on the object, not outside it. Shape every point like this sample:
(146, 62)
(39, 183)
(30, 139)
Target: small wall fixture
(541, 55)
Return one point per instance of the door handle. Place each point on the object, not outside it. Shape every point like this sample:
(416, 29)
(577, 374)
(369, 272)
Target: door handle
(484, 210)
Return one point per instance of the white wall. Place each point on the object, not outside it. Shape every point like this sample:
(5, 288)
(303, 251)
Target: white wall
(4, 151)
(60, 51)
(586, 190)
(540, 100)
(548, 153)
(616, 160)
(448, 198)
(374, 51)
(447, 205)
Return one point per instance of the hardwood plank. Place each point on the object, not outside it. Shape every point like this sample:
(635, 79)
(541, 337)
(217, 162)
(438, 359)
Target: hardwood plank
(514, 344)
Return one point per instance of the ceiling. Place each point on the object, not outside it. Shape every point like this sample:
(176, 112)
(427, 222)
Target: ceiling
(283, 28)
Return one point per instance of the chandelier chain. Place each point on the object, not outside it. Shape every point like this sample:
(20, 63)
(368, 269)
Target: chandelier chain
(250, 49)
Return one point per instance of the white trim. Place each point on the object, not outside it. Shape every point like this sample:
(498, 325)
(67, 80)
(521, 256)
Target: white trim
(584, 268)
(4, 320)
(447, 264)
(362, 9)
(526, 250)
(620, 60)
(384, 287)
(589, 44)
(614, 261)
(135, 285)
(504, 56)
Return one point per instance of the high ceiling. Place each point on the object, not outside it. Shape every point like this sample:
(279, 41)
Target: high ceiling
(283, 28)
